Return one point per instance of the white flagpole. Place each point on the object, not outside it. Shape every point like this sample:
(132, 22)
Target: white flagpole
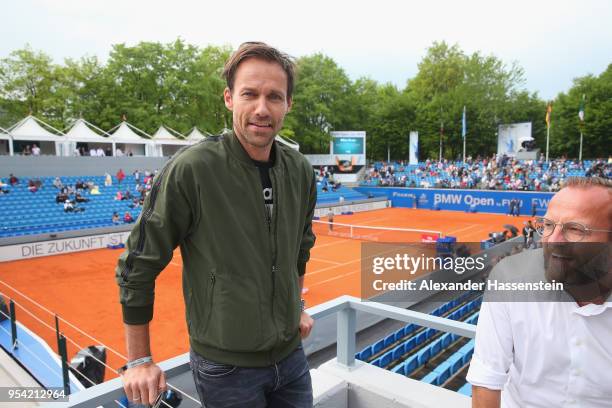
(547, 138)
(580, 154)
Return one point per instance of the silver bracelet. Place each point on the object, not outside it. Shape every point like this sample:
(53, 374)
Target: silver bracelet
(136, 363)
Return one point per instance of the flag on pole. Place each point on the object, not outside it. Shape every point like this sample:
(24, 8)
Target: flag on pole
(548, 113)
(581, 110)
(463, 124)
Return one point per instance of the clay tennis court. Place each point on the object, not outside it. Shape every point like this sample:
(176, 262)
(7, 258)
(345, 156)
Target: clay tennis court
(81, 289)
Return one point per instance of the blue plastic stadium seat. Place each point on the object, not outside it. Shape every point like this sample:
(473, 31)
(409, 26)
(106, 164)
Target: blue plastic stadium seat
(424, 356)
(400, 333)
(399, 351)
(390, 339)
(409, 329)
(378, 346)
(386, 359)
(410, 344)
(399, 369)
(411, 364)
(456, 362)
(376, 362)
(436, 347)
(446, 340)
(431, 378)
(430, 333)
(421, 337)
(444, 372)
(366, 353)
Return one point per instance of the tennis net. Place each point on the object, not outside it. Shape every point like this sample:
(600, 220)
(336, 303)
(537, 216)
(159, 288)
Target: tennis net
(372, 233)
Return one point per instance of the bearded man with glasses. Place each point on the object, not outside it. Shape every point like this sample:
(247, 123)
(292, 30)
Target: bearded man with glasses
(534, 352)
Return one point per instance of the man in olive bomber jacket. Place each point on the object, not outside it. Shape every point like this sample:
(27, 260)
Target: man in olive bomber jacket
(240, 208)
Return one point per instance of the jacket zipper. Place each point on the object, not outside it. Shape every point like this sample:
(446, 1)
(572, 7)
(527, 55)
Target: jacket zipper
(272, 229)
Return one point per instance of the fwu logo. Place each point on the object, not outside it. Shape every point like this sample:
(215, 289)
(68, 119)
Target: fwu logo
(423, 199)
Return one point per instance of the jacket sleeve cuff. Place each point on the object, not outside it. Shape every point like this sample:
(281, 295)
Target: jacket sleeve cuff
(137, 314)
(301, 268)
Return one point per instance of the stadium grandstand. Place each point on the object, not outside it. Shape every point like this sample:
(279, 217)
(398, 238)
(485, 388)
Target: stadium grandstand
(372, 353)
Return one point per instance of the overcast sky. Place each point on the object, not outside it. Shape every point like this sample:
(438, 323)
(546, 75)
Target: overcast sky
(554, 41)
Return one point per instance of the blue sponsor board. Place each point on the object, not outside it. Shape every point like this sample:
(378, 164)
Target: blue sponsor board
(463, 200)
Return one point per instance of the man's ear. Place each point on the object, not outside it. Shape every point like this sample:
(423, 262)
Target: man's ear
(227, 98)
(289, 104)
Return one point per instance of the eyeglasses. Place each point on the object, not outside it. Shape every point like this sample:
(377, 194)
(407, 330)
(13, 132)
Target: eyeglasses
(572, 231)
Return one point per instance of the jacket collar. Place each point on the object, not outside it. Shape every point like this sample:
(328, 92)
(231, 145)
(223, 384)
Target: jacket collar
(235, 147)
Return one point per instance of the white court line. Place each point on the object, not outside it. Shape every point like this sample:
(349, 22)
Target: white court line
(346, 274)
(325, 260)
(463, 229)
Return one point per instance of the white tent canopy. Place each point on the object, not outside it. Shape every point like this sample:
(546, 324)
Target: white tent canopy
(6, 145)
(125, 135)
(167, 142)
(83, 131)
(195, 135)
(4, 134)
(31, 129)
(170, 136)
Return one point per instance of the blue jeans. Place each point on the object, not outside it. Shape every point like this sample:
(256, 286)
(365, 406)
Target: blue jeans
(286, 384)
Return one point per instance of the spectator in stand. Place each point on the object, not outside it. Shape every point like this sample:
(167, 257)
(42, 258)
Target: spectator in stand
(80, 199)
(118, 196)
(57, 183)
(127, 218)
(35, 150)
(115, 218)
(108, 152)
(120, 176)
(100, 152)
(61, 197)
(135, 203)
(136, 176)
(119, 152)
(127, 195)
(68, 206)
(27, 150)
(95, 190)
(32, 186)
(13, 180)
(108, 180)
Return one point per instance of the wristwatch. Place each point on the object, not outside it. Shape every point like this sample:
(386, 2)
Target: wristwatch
(303, 304)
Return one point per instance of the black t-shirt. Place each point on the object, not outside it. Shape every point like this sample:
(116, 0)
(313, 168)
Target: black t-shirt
(266, 182)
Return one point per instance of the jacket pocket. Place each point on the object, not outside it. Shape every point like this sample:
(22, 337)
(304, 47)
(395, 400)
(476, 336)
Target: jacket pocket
(200, 309)
(234, 322)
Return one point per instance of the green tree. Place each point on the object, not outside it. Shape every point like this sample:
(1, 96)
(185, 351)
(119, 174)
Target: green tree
(27, 81)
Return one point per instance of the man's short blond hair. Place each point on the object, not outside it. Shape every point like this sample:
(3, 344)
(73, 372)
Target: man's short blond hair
(584, 182)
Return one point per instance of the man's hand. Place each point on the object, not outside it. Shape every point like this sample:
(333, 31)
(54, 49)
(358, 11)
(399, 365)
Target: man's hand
(142, 384)
(306, 323)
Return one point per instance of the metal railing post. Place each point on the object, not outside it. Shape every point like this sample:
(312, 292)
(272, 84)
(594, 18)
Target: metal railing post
(345, 347)
(64, 357)
(13, 323)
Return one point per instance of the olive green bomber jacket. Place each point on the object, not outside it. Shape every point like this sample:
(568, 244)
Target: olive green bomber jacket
(240, 269)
